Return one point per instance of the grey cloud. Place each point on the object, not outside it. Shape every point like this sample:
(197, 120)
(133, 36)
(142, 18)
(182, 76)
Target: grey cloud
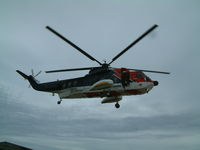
(22, 120)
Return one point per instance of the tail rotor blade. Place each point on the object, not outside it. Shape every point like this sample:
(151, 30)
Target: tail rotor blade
(32, 72)
(37, 73)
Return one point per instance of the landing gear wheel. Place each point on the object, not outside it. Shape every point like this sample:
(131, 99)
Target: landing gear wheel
(58, 102)
(117, 105)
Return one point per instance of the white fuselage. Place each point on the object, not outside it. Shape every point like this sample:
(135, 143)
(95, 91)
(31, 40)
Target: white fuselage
(134, 88)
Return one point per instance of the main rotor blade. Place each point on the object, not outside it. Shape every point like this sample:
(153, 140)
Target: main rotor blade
(133, 43)
(150, 71)
(73, 45)
(74, 69)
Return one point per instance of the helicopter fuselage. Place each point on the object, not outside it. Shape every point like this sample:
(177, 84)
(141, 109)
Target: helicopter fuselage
(114, 82)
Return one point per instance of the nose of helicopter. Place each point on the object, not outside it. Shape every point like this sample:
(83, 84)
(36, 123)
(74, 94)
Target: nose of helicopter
(155, 83)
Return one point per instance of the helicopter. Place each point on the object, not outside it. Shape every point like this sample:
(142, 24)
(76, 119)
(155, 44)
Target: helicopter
(103, 81)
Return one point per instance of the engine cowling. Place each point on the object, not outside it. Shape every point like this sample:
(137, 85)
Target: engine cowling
(111, 99)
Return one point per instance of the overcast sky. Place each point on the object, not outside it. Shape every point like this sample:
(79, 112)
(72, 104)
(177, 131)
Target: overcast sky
(166, 118)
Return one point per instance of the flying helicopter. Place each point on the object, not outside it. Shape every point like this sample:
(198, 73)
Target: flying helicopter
(103, 81)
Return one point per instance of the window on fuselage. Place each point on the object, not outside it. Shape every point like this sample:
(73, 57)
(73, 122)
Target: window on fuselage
(139, 75)
(147, 78)
(69, 84)
(74, 83)
(115, 80)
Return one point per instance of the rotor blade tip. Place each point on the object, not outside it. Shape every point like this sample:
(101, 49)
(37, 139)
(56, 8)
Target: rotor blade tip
(47, 27)
(156, 25)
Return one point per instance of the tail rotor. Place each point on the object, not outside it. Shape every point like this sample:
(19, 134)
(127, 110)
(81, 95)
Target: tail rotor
(34, 75)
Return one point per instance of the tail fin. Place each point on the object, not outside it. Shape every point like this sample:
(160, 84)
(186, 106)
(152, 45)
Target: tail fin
(30, 78)
(32, 81)
(22, 74)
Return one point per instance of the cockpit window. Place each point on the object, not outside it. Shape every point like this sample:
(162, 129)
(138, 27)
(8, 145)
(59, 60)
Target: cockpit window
(139, 75)
(142, 75)
(147, 78)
